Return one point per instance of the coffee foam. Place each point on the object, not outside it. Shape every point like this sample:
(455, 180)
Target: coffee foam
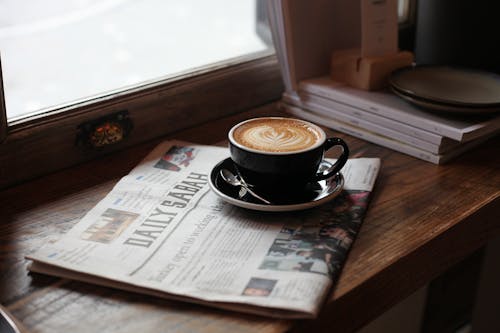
(276, 135)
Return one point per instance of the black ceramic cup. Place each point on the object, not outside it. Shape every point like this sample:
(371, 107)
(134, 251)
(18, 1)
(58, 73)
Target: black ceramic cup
(274, 170)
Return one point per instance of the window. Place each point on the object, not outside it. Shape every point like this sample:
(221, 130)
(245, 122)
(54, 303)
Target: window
(41, 128)
(185, 59)
(55, 52)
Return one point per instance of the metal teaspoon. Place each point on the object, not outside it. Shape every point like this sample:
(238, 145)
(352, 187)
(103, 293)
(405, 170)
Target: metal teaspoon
(233, 180)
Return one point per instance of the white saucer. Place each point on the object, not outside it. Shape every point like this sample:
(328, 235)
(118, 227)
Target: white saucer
(315, 194)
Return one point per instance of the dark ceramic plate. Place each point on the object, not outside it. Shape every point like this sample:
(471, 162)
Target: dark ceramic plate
(448, 89)
(442, 107)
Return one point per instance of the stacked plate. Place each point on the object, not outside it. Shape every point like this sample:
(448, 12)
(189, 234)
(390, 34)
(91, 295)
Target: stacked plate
(448, 89)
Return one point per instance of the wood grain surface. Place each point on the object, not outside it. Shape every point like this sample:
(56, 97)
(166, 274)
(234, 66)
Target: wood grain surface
(421, 220)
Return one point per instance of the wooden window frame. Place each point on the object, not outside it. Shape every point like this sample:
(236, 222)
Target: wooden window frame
(46, 142)
(3, 110)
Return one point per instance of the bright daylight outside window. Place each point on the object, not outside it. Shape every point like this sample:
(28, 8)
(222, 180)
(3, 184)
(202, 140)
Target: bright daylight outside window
(57, 51)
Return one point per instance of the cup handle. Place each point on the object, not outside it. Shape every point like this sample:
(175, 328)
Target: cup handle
(330, 172)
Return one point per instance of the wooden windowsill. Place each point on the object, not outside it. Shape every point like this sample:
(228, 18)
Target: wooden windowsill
(50, 141)
(421, 220)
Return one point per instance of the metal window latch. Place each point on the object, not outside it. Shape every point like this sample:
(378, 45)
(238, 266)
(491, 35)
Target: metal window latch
(104, 131)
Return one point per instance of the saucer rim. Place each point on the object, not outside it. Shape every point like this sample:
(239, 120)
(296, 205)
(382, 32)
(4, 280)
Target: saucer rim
(275, 207)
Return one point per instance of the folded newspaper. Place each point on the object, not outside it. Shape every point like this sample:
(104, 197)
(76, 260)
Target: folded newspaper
(161, 231)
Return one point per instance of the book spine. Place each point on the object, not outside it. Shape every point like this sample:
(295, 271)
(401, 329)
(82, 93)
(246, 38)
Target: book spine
(364, 135)
(372, 127)
(449, 155)
(351, 117)
(403, 134)
(370, 117)
(383, 110)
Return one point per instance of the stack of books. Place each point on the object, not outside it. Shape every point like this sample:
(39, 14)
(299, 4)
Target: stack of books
(387, 120)
(305, 37)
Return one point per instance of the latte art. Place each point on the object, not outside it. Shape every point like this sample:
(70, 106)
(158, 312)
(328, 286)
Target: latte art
(277, 135)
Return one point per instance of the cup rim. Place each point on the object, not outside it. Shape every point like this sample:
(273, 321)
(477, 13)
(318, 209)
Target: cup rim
(253, 150)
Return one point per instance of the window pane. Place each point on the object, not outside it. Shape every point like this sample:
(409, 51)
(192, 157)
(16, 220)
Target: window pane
(58, 51)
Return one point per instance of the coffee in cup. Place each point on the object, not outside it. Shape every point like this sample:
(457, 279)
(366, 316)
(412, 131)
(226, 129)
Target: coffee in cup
(275, 135)
(277, 153)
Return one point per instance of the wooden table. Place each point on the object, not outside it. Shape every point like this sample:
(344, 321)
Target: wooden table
(422, 219)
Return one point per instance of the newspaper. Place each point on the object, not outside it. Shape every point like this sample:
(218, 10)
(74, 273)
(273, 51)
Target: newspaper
(162, 231)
